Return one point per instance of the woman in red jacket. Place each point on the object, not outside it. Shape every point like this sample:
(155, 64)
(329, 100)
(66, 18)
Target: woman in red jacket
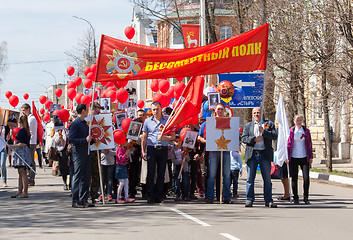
(300, 154)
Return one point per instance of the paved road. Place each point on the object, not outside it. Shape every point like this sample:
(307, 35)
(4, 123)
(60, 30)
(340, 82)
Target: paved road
(47, 214)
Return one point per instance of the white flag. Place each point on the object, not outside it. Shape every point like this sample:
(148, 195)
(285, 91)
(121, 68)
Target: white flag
(283, 132)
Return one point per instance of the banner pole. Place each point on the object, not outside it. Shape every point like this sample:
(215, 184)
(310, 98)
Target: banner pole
(90, 114)
(100, 176)
(263, 99)
(221, 180)
(290, 184)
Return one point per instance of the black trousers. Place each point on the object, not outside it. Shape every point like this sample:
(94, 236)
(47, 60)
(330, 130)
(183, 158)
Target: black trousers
(134, 171)
(156, 158)
(293, 168)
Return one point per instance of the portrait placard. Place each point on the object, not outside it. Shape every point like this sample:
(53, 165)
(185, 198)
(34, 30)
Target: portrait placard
(134, 130)
(213, 100)
(105, 105)
(119, 117)
(190, 139)
(222, 134)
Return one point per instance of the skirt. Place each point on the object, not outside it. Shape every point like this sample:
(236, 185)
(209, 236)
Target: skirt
(120, 171)
(24, 153)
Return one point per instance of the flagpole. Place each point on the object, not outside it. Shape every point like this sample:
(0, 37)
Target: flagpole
(263, 99)
(18, 155)
(290, 184)
(221, 180)
(100, 176)
(90, 114)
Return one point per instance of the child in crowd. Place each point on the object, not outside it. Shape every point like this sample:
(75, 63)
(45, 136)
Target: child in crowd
(107, 166)
(236, 168)
(177, 164)
(122, 158)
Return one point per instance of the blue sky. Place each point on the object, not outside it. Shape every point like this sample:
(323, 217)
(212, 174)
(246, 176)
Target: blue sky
(42, 30)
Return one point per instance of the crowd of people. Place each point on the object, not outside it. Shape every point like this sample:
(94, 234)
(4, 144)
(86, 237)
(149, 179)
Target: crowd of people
(155, 164)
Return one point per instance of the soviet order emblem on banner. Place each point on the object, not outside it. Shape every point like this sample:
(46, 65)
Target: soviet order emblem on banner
(222, 134)
(101, 131)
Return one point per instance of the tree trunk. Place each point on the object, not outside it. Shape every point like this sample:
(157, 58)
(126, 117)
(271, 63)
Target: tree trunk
(328, 140)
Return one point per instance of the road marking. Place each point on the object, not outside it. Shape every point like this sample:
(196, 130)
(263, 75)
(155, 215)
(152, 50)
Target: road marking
(227, 235)
(190, 217)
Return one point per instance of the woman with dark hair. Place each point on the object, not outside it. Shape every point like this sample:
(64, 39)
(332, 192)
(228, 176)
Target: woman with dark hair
(21, 148)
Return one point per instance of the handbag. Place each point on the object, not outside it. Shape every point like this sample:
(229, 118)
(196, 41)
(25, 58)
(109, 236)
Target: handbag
(53, 154)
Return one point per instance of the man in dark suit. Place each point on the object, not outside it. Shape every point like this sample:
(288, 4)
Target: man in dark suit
(258, 136)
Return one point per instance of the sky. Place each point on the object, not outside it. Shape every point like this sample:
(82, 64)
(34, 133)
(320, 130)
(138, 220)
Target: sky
(38, 32)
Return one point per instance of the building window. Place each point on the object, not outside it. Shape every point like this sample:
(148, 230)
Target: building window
(226, 32)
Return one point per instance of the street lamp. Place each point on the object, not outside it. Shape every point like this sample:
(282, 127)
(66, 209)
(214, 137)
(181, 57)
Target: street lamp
(57, 100)
(94, 35)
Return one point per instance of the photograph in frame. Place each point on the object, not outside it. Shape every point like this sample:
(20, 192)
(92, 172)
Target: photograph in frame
(134, 130)
(119, 117)
(190, 139)
(105, 105)
(213, 100)
(131, 113)
(12, 119)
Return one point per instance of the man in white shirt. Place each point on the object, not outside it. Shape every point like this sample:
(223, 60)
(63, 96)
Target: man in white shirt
(32, 122)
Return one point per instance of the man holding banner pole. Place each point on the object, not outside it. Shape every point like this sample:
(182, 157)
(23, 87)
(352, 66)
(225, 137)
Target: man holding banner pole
(258, 136)
(216, 157)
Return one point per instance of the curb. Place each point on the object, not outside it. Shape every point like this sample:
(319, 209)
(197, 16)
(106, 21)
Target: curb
(330, 177)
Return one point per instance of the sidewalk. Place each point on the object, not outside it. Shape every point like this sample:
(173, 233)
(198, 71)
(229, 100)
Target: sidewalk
(347, 167)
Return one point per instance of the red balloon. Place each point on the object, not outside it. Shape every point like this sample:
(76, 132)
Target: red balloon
(46, 117)
(58, 92)
(119, 136)
(183, 132)
(125, 124)
(129, 32)
(91, 76)
(179, 79)
(110, 84)
(104, 94)
(154, 85)
(166, 101)
(13, 100)
(122, 95)
(104, 84)
(47, 104)
(170, 92)
(111, 94)
(85, 99)
(95, 95)
(56, 112)
(14, 133)
(240, 129)
(158, 97)
(62, 106)
(93, 68)
(64, 115)
(8, 94)
(120, 83)
(78, 97)
(88, 83)
(226, 89)
(179, 88)
(42, 99)
(163, 86)
(42, 110)
(71, 93)
(86, 71)
(100, 90)
(25, 96)
(71, 84)
(140, 103)
(70, 70)
(78, 81)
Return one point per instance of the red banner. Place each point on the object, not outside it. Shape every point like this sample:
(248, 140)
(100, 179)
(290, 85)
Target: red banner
(191, 34)
(120, 60)
(188, 106)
